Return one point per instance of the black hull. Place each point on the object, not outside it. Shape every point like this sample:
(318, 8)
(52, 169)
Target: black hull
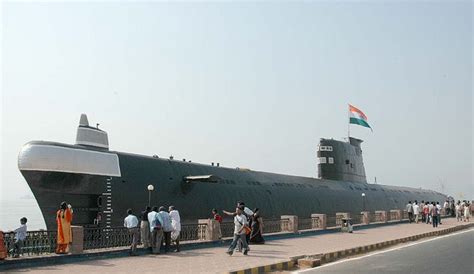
(274, 194)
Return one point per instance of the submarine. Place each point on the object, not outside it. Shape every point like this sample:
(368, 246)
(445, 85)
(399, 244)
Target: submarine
(102, 184)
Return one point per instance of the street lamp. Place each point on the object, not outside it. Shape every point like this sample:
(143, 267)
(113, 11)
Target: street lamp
(363, 201)
(150, 189)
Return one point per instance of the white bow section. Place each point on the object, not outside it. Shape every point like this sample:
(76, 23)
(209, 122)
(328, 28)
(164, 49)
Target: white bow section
(44, 157)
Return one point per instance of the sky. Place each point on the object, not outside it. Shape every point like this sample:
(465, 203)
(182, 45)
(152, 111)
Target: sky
(246, 84)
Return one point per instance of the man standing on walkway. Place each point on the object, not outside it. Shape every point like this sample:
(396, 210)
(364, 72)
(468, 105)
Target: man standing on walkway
(434, 215)
(240, 221)
(438, 206)
(131, 223)
(176, 224)
(409, 209)
(416, 211)
(155, 229)
(145, 228)
(167, 228)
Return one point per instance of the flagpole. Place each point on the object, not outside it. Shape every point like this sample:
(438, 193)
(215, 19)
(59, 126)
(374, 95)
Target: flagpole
(348, 125)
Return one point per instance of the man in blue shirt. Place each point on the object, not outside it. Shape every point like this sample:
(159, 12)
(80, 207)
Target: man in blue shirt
(155, 229)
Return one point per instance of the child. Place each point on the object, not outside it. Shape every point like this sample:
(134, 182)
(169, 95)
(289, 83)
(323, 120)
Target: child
(20, 236)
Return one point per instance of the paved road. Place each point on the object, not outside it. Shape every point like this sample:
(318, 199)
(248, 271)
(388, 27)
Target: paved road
(451, 254)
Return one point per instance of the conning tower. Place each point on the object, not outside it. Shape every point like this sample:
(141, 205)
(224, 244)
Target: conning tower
(91, 136)
(342, 161)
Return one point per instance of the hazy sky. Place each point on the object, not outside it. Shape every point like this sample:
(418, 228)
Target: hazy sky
(246, 84)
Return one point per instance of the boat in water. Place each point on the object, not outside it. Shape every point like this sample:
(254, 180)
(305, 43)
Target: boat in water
(102, 184)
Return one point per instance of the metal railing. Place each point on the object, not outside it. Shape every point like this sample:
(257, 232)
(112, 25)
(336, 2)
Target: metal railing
(357, 219)
(227, 229)
(378, 217)
(192, 232)
(331, 221)
(306, 223)
(106, 237)
(392, 216)
(272, 225)
(36, 242)
(405, 215)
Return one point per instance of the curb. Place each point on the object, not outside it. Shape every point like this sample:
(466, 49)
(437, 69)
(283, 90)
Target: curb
(315, 260)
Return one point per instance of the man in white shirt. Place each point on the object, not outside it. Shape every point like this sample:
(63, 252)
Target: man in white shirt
(416, 211)
(438, 206)
(240, 224)
(176, 224)
(20, 236)
(131, 223)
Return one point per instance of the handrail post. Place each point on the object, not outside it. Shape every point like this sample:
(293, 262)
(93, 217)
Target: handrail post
(319, 221)
(292, 223)
(77, 245)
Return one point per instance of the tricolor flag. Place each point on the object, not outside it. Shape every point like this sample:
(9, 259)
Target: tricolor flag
(356, 116)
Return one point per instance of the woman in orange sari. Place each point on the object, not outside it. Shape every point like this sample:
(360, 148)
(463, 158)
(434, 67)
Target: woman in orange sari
(63, 220)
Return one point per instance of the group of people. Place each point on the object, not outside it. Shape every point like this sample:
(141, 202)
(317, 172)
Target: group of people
(64, 234)
(463, 210)
(248, 227)
(156, 227)
(430, 212)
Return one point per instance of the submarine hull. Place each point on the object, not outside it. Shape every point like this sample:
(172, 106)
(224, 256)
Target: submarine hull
(100, 196)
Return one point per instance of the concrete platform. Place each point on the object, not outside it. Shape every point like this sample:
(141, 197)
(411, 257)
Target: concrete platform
(214, 259)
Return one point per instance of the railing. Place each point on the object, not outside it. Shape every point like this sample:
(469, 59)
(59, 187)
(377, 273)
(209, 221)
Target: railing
(106, 237)
(331, 221)
(192, 232)
(35, 243)
(306, 223)
(378, 217)
(392, 216)
(357, 219)
(405, 215)
(272, 226)
(227, 229)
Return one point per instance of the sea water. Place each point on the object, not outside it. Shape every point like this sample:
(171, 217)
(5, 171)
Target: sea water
(11, 211)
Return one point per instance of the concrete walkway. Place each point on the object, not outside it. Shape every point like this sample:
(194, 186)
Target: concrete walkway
(214, 260)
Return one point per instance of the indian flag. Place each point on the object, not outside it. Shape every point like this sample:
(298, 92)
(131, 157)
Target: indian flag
(356, 116)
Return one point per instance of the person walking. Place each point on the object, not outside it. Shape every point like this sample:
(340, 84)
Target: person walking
(156, 230)
(458, 211)
(167, 228)
(416, 211)
(409, 208)
(63, 220)
(467, 212)
(240, 224)
(434, 215)
(145, 228)
(131, 223)
(20, 236)
(176, 224)
(426, 212)
(438, 206)
(430, 207)
(422, 207)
